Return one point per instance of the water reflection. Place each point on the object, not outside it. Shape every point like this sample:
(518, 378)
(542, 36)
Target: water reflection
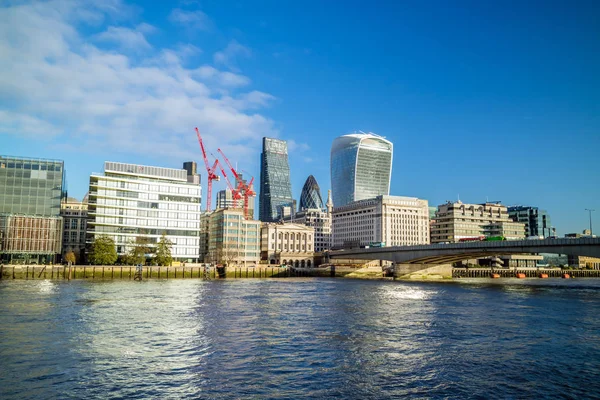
(309, 338)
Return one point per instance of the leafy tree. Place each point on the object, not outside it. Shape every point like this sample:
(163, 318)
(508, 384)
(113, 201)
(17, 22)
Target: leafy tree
(138, 249)
(70, 258)
(163, 251)
(103, 251)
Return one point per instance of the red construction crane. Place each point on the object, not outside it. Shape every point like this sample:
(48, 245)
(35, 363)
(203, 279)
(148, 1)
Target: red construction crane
(235, 193)
(210, 171)
(242, 189)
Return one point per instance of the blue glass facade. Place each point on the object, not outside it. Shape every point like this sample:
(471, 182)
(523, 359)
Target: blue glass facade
(275, 186)
(311, 195)
(537, 222)
(361, 167)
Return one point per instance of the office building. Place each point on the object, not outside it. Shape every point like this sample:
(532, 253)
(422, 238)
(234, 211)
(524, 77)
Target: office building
(320, 220)
(74, 214)
(225, 200)
(275, 186)
(361, 167)
(30, 195)
(381, 221)
(130, 201)
(310, 198)
(456, 220)
(287, 244)
(230, 239)
(537, 222)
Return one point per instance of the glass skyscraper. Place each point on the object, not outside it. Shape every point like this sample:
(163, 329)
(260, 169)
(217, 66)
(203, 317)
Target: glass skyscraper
(311, 195)
(275, 186)
(361, 167)
(30, 195)
(537, 222)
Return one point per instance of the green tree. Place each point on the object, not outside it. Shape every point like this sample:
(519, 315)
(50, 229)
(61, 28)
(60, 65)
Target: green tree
(70, 258)
(138, 249)
(103, 251)
(163, 251)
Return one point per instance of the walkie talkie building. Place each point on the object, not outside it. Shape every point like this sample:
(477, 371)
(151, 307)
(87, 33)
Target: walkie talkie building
(361, 167)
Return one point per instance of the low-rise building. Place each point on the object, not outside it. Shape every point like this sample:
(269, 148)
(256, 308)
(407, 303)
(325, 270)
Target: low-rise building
(456, 220)
(229, 238)
(74, 215)
(320, 220)
(536, 221)
(287, 243)
(381, 221)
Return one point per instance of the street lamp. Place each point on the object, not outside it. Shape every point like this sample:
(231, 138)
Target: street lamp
(590, 212)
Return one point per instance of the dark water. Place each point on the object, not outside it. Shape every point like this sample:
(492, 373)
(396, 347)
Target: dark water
(313, 338)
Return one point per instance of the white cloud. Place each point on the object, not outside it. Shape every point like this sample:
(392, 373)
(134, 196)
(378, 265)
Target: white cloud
(230, 55)
(55, 83)
(125, 37)
(191, 19)
(295, 146)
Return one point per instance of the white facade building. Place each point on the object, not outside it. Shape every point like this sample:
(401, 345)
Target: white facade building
(133, 201)
(286, 243)
(320, 221)
(383, 220)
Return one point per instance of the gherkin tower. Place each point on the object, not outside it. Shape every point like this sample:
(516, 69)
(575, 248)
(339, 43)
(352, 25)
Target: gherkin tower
(311, 195)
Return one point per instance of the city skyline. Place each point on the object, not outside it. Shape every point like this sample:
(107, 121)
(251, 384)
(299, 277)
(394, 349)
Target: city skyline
(506, 114)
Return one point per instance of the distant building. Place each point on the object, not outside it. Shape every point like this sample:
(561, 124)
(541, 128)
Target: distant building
(320, 221)
(456, 220)
(383, 220)
(228, 238)
(225, 200)
(537, 222)
(289, 244)
(30, 195)
(583, 262)
(310, 198)
(361, 167)
(275, 185)
(132, 201)
(74, 215)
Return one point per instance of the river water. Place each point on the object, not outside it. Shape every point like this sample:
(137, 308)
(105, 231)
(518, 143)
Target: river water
(300, 338)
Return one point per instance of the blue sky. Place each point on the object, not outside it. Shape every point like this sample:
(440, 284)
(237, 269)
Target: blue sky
(496, 100)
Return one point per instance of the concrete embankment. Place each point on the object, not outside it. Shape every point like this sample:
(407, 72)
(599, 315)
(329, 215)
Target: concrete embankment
(9, 272)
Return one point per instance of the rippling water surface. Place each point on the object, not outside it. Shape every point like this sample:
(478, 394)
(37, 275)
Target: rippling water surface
(294, 338)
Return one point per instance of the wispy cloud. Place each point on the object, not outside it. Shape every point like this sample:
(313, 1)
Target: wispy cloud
(56, 83)
(231, 54)
(295, 146)
(191, 19)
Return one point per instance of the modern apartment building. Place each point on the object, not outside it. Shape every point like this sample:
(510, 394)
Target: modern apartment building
(537, 222)
(74, 214)
(320, 220)
(287, 244)
(130, 201)
(456, 220)
(382, 221)
(361, 167)
(310, 198)
(275, 185)
(30, 195)
(229, 238)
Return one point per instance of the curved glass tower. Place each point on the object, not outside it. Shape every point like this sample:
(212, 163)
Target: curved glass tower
(311, 195)
(361, 167)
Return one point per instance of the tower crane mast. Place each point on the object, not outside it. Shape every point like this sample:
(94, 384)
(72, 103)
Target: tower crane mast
(212, 176)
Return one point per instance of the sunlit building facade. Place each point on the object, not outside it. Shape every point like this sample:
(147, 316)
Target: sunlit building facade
(130, 201)
(361, 167)
(275, 185)
(30, 195)
(74, 215)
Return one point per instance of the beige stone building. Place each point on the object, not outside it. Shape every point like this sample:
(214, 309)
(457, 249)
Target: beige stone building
(383, 220)
(228, 238)
(584, 262)
(456, 220)
(74, 214)
(290, 244)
